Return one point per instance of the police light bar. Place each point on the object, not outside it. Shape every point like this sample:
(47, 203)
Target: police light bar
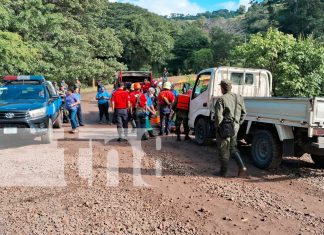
(39, 78)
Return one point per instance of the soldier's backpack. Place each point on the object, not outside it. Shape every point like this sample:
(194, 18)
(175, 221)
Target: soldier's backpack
(226, 128)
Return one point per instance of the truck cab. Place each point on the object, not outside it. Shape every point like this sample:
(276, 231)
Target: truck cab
(247, 82)
(29, 105)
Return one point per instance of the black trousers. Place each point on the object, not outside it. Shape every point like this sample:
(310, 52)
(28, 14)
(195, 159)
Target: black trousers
(122, 121)
(140, 123)
(103, 110)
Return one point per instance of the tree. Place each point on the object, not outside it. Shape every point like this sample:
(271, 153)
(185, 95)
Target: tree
(222, 42)
(302, 17)
(297, 65)
(241, 10)
(16, 56)
(146, 37)
(68, 36)
(199, 60)
(259, 17)
(188, 41)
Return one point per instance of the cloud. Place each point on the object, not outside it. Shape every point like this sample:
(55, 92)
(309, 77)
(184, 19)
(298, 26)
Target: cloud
(166, 7)
(245, 3)
(232, 5)
(229, 5)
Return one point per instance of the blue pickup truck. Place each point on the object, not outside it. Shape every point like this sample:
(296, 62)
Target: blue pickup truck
(29, 105)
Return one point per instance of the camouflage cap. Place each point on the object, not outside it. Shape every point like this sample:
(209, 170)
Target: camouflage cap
(226, 84)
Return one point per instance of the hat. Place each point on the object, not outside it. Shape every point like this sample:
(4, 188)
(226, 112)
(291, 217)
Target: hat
(226, 84)
(167, 85)
(137, 86)
(152, 90)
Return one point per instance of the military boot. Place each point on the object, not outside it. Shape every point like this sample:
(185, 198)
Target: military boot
(187, 137)
(223, 170)
(240, 164)
(178, 137)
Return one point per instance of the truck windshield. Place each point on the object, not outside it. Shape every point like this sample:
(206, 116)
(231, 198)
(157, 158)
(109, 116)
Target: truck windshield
(10, 92)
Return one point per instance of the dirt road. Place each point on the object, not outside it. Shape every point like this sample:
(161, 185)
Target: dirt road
(82, 186)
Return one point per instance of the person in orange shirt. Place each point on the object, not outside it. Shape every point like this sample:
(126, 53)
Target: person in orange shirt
(165, 99)
(120, 104)
(181, 107)
(131, 116)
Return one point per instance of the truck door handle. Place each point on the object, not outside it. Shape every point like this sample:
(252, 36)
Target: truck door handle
(205, 104)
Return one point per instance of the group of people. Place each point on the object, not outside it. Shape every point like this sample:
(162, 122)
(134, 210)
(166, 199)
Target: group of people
(138, 102)
(71, 97)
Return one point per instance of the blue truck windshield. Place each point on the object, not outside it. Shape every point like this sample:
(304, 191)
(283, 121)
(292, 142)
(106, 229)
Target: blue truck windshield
(10, 92)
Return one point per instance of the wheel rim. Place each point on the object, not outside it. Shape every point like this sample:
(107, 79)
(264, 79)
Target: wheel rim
(262, 150)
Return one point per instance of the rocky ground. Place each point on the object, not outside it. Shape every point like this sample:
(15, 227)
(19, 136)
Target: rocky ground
(65, 191)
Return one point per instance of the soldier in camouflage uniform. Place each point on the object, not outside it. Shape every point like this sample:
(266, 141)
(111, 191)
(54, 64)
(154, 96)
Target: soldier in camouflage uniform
(225, 107)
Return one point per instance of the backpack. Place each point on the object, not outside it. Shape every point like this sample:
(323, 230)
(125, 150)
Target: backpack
(139, 111)
(226, 128)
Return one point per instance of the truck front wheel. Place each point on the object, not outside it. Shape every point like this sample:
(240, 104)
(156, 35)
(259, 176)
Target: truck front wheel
(202, 131)
(318, 160)
(266, 149)
(47, 138)
(59, 121)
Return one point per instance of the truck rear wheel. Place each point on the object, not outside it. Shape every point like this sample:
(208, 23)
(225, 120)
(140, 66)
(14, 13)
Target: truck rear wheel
(59, 121)
(266, 150)
(318, 160)
(47, 138)
(202, 130)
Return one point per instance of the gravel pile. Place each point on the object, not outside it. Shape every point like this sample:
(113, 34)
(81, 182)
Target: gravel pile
(89, 211)
(264, 201)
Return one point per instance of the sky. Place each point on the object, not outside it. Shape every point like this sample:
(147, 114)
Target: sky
(192, 7)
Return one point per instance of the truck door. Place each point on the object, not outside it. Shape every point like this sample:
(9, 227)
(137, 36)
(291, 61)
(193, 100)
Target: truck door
(199, 103)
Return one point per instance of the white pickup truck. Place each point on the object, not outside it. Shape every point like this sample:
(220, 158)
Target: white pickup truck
(274, 126)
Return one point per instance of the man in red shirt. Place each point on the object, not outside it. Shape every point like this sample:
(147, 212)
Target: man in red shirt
(146, 85)
(139, 108)
(120, 105)
(165, 99)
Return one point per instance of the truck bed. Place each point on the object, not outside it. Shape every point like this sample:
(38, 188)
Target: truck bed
(297, 112)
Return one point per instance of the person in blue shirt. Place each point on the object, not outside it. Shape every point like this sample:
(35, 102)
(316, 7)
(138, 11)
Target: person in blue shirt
(150, 110)
(175, 92)
(71, 103)
(103, 98)
(79, 110)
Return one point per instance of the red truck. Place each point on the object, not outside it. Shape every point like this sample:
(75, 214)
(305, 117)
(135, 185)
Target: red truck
(134, 76)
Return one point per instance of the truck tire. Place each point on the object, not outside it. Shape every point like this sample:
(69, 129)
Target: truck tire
(318, 160)
(266, 150)
(59, 120)
(47, 138)
(202, 131)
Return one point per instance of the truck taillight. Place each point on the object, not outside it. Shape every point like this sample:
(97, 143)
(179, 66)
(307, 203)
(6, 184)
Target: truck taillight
(318, 132)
